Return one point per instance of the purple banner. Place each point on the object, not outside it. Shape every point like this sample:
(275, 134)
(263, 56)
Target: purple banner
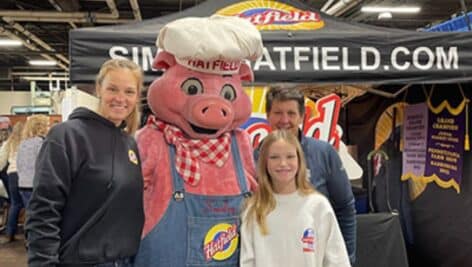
(445, 145)
(414, 140)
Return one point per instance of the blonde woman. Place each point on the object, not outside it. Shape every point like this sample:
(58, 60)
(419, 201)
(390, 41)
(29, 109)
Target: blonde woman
(86, 208)
(8, 153)
(36, 128)
(286, 222)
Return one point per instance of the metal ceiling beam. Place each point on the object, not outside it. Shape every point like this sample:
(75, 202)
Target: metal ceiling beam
(44, 15)
(16, 52)
(135, 7)
(66, 17)
(30, 46)
(59, 7)
(326, 5)
(36, 39)
(68, 5)
(464, 10)
(342, 6)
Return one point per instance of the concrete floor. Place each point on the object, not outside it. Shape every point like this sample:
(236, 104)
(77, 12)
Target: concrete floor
(13, 254)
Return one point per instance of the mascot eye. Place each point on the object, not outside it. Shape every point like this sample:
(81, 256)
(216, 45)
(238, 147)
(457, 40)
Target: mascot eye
(192, 86)
(228, 92)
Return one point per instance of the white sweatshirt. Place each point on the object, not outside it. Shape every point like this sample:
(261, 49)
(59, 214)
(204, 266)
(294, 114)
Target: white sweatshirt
(7, 156)
(303, 232)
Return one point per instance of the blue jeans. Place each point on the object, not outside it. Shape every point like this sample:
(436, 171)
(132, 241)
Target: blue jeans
(125, 262)
(16, 204)
(25, 196)
(5, 180)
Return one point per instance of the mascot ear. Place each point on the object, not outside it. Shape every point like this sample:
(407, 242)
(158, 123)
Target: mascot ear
(246, 73)
(163, 60)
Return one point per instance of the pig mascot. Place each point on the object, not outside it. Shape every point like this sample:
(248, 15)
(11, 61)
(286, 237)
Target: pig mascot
(197, 164)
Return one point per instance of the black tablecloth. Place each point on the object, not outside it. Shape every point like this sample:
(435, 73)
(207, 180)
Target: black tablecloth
(380, 241)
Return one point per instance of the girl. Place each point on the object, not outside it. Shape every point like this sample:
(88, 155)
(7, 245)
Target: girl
(286, 222)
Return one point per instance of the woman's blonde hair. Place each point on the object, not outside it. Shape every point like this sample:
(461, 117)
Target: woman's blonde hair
(132, 122)
(14, 140)
(262, 201)
(36, 125)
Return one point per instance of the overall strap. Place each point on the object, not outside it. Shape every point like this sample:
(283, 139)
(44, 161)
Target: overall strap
(238, 165)
(177, 182)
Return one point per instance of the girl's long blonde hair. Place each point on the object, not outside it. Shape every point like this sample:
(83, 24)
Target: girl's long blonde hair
(132, 122)
(15, 138)
(262, 201)
(36, 125)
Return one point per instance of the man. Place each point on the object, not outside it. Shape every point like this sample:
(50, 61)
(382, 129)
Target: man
(285, 109)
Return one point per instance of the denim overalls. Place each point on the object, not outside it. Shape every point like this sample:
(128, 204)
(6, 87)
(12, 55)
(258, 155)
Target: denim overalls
(196, 230)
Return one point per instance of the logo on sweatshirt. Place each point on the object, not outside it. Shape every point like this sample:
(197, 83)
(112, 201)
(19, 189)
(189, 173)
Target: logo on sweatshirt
(221, 241)
(308, 240)
(132, 157)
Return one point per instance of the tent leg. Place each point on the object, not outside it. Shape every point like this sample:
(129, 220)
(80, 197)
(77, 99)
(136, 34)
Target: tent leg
(464, 10)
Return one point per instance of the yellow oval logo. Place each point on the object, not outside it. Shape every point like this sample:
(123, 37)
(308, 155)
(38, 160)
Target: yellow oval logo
(221, 242)
(271, 15)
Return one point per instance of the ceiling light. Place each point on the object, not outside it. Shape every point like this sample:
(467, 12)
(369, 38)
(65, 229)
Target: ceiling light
(10, 42)
(391, 9)
(42, 62)
(385, 15)
(35, 78)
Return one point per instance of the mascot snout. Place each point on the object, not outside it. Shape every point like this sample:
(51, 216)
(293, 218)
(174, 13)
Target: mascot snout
(212, 113)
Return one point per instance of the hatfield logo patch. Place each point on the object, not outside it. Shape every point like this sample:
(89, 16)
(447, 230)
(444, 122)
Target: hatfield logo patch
(308, 240)
(132, 157)
(221, 242)
(271, 15)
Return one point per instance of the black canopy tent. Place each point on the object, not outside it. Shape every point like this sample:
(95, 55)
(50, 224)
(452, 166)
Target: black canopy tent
(338, 52)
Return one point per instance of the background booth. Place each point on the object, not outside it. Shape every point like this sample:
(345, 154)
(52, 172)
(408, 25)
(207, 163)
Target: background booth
(308, 48)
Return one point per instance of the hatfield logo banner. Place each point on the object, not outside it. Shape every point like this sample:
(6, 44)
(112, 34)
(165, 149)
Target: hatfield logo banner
(271, 15)
(320, 122)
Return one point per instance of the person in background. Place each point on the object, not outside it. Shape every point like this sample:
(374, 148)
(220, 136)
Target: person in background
(8, 153)
(285, 108)
(5, 130)
(86, 208)
(286, 222)
(34, 131)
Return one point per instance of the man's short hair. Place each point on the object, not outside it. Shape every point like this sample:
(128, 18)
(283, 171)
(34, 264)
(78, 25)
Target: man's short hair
(279, 93)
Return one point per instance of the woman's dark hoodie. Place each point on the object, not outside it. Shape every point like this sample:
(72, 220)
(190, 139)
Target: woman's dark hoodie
(87, 202)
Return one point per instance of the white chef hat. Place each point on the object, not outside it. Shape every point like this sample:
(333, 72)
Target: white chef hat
(215, 44)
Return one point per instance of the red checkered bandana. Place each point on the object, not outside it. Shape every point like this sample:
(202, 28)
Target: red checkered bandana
(190, 151)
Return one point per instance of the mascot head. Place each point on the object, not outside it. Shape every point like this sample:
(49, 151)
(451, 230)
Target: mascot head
(204, 65)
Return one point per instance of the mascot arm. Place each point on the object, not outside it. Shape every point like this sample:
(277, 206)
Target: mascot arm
(146, 145)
